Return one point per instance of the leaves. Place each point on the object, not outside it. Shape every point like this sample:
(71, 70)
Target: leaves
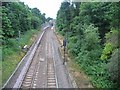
(107, 51)
(88, 27)
(19, 17)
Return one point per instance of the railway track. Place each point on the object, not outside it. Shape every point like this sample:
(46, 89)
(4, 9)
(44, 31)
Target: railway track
(51, 70)
(47, 75)
(27, 76)
(43, 67)
(31, 78)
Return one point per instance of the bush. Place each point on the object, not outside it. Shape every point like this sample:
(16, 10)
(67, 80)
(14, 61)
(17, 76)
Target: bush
(111, 55)
(113, 66)
(12, 45)
(89, 57)
(107, 51)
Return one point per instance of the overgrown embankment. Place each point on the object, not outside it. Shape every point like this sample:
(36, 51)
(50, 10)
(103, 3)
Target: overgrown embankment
(20, 25)
(77, 75)
(12, 54)
(92, 33)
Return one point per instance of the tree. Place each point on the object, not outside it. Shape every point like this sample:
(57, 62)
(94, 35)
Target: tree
(43, 18)
(87, 25)
(64, 16)
(19, 17)
(7, 30)
(48, 19)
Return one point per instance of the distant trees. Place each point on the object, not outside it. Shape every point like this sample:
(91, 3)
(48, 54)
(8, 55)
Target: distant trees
(92, 31)
(64, 16)
(17, 20)
(19, 17)
(48, 19)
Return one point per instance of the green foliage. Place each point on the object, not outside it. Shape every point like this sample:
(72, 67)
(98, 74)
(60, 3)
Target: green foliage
(113, 62)
(96, 13)
(6, 25)
(35, 22)
(113, 38)
(88, 27)
(13, 44)
(90, 49)
(72, 46)
(91, 37)
(113, 67)
(25, 38)
(16, 16)
(19, 17)
(48, 19)
(11, 53)
(64, 16)
(107, 51)
(113, 14)
(36, 19)
(7, 51)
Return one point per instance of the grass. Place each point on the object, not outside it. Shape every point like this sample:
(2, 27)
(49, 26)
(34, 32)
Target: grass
(82, 80)
(8, 65)
(12, 55)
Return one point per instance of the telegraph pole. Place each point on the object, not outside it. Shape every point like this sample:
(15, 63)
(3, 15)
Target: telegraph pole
(19, 41)
(64, 44)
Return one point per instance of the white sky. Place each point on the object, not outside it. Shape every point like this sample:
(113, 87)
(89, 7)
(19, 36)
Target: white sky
(49, 7)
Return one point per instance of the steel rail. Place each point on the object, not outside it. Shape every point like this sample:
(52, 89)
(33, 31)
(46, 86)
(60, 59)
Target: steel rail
(24, 70)
(18, 66)
(55, 68)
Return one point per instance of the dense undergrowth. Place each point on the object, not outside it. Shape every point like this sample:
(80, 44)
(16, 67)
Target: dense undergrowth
(92, 34)
(12, 54)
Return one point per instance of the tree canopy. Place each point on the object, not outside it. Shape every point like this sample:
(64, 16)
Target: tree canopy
(92, 31)
(19, 17)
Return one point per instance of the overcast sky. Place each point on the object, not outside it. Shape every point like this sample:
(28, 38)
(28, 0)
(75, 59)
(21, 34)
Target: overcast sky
(49, 7)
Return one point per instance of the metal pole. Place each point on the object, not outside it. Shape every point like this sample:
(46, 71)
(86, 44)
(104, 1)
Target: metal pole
(64, 56)
(19, 42)
(64, 44)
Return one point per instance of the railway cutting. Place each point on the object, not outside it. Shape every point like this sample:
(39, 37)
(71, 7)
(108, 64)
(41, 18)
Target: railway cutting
(43, 67)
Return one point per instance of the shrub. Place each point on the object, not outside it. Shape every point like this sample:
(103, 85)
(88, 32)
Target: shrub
(113, 66)
(107, 51)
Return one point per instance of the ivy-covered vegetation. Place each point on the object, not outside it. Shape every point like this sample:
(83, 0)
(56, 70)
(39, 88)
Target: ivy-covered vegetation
(92, 31)
(19, 24)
